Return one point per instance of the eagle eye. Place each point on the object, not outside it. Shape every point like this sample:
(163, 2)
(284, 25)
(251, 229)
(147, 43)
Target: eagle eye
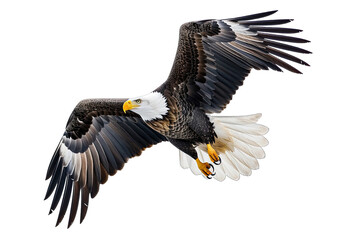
(138, 101)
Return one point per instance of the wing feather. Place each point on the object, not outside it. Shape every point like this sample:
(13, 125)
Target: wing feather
(65, 200)
(282, 38)
(96, 162)
(253, 16)
(58, 191)
(74, 203)
(275, 29)
(285, 46)
(265, 22)
(90, 170)
(84, 203)
(54, 162)
(55, 178)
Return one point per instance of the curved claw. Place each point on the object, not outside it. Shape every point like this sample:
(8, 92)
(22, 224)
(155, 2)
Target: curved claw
(206, 168)
(212, 170)
(218, 162)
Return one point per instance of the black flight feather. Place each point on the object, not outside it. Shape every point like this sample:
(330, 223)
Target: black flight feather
(253, 16)
(74, 203)
(65, 200)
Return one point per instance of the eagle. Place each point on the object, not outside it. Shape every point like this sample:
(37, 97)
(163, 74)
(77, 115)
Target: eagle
(212, 60)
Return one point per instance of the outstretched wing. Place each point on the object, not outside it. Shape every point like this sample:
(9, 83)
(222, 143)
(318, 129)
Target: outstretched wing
(98, 141)
(215, 56)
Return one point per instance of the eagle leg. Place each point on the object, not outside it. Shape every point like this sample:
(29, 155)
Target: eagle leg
(188, 147)
(213, 155)
(206, 168)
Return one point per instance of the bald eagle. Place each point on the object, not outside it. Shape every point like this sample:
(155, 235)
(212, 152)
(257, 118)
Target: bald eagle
(212, 60)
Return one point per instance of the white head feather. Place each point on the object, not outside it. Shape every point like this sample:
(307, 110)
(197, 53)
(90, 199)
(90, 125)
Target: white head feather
(151, 106)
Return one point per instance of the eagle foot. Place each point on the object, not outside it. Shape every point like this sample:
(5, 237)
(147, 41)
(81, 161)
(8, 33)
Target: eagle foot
(213, 155)
(218, 162)
(206, 168)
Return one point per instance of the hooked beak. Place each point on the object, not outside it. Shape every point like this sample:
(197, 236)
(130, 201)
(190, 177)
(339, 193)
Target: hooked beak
(128, 105)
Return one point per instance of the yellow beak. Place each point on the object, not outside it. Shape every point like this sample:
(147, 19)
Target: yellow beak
(128, 105)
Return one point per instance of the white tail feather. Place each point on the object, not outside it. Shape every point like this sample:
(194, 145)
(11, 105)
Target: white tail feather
(239, 144)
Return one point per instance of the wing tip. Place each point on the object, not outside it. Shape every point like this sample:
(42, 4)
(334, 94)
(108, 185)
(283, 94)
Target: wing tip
(51, 211)
(253, 16)
(304, 63)
(69, 225)
(47, 195)
(292, 69)
(270, 12)
(58, 222)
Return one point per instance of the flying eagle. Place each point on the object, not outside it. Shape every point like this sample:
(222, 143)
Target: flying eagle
(212, 60)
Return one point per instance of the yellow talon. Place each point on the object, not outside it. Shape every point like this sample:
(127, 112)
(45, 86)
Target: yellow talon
(213, 155)
(205, 168)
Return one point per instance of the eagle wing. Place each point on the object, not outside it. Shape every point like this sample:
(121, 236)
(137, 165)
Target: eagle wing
(98, 140)
(215, 56)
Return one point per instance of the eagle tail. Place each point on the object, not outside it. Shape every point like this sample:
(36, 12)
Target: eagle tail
(239, 143)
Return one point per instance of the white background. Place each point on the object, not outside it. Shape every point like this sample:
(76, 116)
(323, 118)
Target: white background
(53, 54)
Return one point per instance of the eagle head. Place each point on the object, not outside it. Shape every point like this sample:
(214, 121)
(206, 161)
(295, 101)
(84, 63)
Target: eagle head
(150, 107)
